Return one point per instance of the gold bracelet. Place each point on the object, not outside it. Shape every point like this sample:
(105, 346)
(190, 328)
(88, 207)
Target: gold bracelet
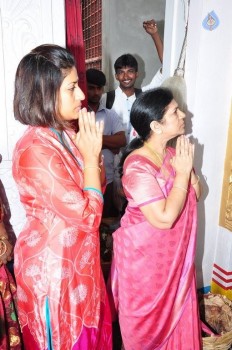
(5, 248)
(92, 167)
(198, 179)
(181, 188)
(2, 238)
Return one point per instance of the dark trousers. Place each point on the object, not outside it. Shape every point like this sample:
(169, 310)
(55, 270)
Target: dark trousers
(109, 208)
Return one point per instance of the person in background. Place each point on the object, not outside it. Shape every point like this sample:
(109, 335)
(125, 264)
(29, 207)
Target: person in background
(113, 135)
(126, 73)
(153, 272)
(10, 335)
(122, 99)
(61, 293)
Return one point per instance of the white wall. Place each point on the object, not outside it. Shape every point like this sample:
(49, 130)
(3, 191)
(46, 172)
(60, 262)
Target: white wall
(176, 16)
(24, 24)
(209, 89)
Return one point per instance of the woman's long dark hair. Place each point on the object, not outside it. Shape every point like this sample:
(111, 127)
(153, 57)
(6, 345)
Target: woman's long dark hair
(148, 107)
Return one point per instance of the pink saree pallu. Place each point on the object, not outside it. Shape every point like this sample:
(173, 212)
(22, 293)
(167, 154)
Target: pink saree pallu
(153, 276)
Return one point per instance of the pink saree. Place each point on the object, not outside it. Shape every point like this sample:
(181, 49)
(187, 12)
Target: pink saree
(153, 274)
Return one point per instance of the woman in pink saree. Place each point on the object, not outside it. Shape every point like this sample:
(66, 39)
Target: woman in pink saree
(153, 274)
(61, 293)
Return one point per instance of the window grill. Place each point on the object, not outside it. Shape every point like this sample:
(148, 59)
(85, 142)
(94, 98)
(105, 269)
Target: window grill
(92, 32)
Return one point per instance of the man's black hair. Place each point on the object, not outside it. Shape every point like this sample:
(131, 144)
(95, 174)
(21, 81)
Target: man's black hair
(126, 60)
(95, 77)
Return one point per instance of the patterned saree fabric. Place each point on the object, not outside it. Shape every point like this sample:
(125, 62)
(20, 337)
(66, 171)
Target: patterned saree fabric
(10, 335)
(61, 294)
(153, 274)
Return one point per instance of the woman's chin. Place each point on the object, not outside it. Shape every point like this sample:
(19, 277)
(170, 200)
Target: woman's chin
(183, 131)
(75, 116)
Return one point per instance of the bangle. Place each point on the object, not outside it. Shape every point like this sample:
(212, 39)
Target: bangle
(2, 238)
(3, 244)
(92, 167)
(181, 188)
(198, 179)
(93, 189)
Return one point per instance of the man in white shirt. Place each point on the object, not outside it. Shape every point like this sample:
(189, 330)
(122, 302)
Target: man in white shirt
(121, 99)
(113, 135)
(126, 72)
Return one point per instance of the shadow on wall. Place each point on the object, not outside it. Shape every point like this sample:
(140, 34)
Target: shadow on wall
(110, 86)
(143, 73)
(198, 156)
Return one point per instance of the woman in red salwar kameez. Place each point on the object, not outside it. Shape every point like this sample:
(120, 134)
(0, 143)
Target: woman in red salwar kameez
(61, 294)
(153, 275)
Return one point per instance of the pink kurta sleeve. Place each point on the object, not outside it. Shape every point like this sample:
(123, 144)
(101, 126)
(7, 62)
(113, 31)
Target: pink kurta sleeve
(51, 184)
(140, 182)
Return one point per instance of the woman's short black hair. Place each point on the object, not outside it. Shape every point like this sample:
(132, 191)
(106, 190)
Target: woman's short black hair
(37, 82)
(149, 106)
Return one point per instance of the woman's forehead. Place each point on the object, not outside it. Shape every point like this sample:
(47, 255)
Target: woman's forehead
(172, 105)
